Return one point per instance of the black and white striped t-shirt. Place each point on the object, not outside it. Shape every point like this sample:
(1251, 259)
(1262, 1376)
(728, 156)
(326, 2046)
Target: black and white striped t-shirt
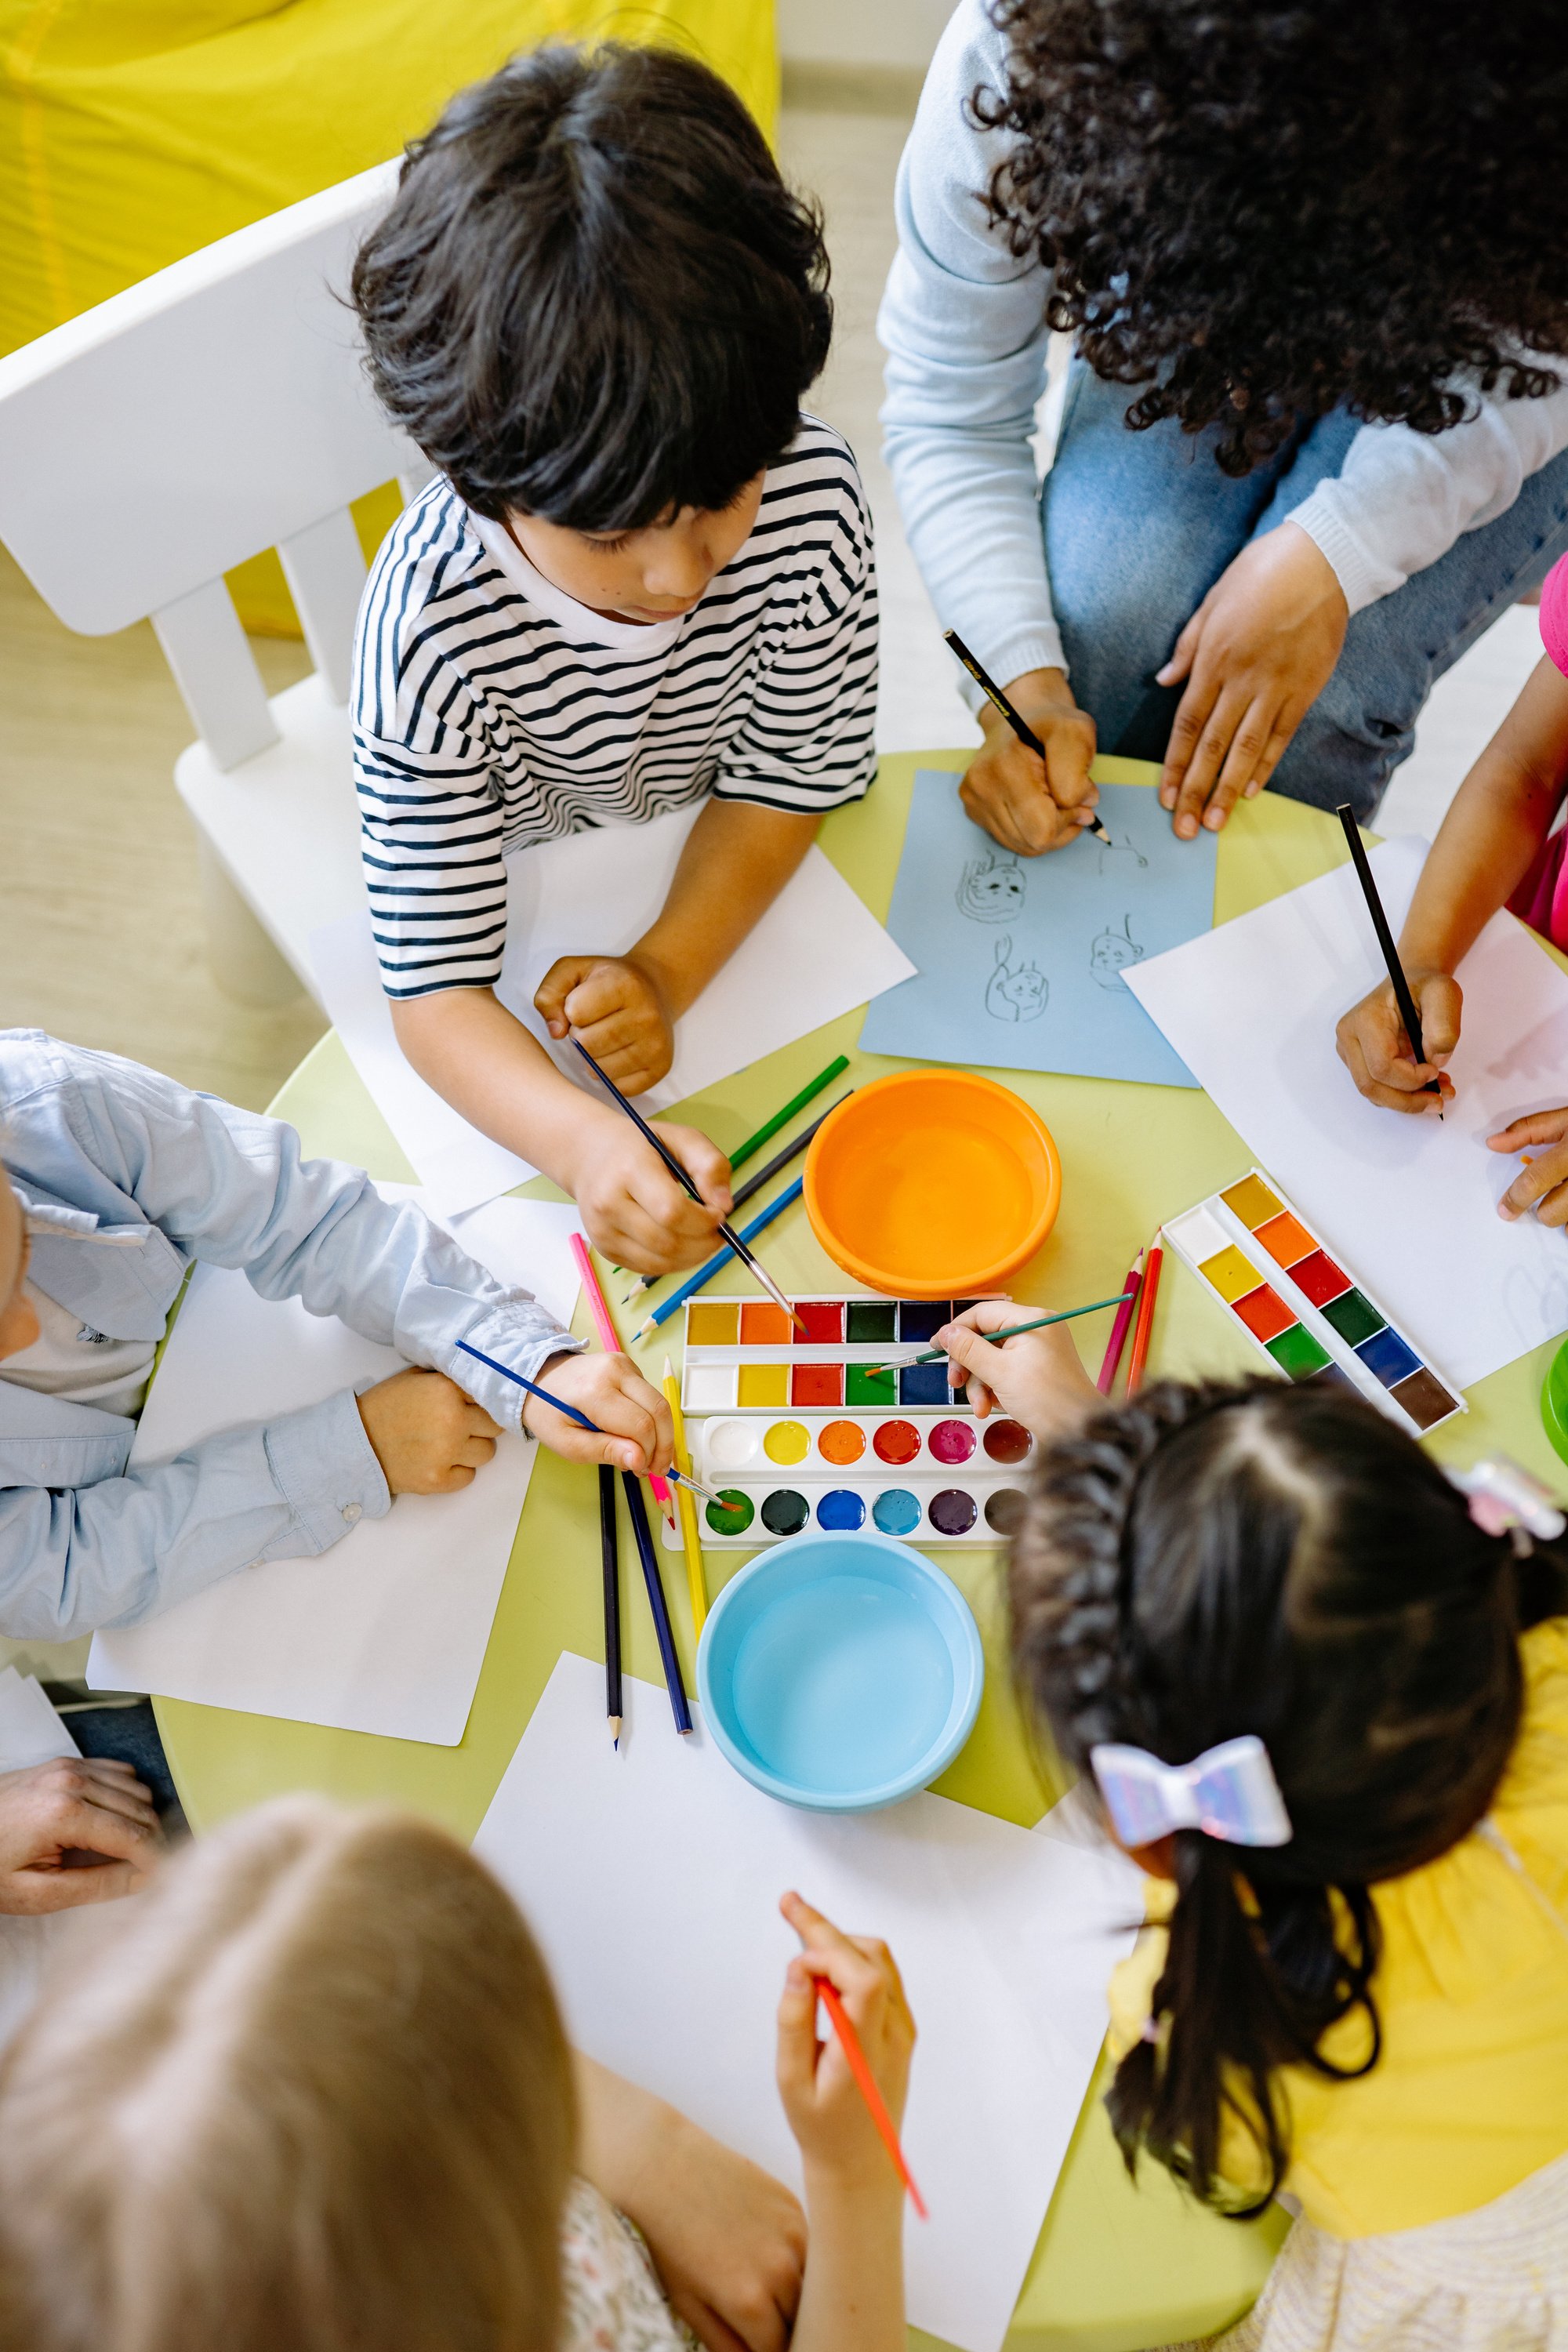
(491, 711)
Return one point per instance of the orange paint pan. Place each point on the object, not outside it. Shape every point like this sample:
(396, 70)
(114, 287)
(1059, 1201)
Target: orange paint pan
(932, 1184)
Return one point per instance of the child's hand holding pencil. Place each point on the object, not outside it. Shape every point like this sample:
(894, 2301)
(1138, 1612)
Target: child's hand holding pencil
(1374, 1049)
(830, 2109)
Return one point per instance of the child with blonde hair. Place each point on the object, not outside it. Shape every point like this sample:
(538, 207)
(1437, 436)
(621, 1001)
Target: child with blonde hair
(318, 2096)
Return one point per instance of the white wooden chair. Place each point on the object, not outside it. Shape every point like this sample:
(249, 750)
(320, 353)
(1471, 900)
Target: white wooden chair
(147, 447)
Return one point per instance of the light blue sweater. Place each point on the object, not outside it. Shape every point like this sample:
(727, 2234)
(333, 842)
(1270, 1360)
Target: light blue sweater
(963, 324)
(124, 1178)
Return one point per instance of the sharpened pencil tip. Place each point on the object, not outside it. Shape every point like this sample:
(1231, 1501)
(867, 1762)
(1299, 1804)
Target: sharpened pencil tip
(615, 1730)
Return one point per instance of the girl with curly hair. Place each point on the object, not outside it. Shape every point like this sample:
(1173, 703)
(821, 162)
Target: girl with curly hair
(1321, 1694)
(1314, 260)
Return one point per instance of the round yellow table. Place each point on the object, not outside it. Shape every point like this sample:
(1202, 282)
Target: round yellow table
(1118, 2267)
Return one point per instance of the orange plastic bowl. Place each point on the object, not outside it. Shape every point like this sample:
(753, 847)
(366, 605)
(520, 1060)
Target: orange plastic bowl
(932, 1184)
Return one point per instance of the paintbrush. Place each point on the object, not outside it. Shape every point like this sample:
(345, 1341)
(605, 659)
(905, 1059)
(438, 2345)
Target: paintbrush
(748, 1191)
(676, 1477)
(710, 1266)
(1014, 718)
(684, 1179)
(1011, 1331)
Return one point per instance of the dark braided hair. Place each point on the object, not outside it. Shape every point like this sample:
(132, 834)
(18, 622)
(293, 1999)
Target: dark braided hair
(1205, 1561)
(1263, 209)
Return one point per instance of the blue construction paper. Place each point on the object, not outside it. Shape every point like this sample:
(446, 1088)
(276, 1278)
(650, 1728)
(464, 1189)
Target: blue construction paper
(1020, 959)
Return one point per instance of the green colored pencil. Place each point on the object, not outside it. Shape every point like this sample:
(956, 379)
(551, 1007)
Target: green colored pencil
(771, 1127)
(1013, 1331)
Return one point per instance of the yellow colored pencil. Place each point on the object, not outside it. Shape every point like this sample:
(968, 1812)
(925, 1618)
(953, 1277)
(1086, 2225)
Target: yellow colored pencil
(685, 1504)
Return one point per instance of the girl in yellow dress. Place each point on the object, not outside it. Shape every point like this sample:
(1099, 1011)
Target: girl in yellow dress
(1321, 1695)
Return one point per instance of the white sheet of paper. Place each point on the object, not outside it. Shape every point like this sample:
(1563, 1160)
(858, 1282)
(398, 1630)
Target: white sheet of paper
(1410, 1203)
(458, 1166)
(30, 1731)
(818, 952)
(652, 1880)
(387, 1632)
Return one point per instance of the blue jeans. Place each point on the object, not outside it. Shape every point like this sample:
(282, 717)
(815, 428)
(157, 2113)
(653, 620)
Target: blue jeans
(1139, 526)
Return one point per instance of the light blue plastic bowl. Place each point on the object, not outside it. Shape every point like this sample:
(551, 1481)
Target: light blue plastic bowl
(840, 1671)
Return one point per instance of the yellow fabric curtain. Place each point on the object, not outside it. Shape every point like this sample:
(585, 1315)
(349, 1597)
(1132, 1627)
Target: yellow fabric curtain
(132, 132)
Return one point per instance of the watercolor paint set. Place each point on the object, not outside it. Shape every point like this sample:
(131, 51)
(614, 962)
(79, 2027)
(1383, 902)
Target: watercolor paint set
(825, 1430)
(743, 1355)
(1300, 1307)
(944, 1479)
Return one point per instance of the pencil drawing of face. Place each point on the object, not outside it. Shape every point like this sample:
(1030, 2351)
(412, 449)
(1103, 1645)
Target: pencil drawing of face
(992, 890)
(1111, 952)
(1016, 992)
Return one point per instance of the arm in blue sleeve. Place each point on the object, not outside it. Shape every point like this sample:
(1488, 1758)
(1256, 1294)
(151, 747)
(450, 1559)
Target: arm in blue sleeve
(963, 324)
(75, 1559)
(231, 1188)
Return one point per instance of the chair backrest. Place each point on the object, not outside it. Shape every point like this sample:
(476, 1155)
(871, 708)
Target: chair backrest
(217, 408)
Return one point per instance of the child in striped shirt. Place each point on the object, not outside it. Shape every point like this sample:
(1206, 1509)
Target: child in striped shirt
(641, 578)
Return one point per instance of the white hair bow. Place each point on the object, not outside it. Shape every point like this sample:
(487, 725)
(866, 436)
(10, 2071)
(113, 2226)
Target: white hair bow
(1228, 1792)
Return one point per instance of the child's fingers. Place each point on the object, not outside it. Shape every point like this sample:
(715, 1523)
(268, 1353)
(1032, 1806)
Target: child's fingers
(972, 1354)
(799, 2046)
(1439, 1002)
(988, 1315)
(1537, 1127)
(1403, 1091)
(1533, 1187)
(704, 1163)
(549, 996)
(832, 1954)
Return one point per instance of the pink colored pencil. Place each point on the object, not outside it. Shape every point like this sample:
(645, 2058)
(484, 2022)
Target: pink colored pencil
(610, 1340)
(866, 2082)
(1121, 1327)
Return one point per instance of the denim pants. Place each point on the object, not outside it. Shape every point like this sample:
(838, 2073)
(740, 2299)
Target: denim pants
(1139, 526)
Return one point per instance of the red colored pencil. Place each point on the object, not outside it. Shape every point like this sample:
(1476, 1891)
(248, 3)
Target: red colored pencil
(1118, 1339)
(866, 2082)
(1145, 1325)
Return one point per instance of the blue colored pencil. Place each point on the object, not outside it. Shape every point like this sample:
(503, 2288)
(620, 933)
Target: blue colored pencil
(676, 1477)
(668, 1657)
(706, 1272)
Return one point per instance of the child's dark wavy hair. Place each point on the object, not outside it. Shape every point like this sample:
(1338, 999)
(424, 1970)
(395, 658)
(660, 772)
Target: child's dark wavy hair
(1205, 1561)
(593, 298)
(1262, 209)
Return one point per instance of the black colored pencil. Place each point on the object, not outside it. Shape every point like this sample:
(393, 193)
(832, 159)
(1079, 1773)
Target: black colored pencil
(610, 1550)
(656, 1602)
(682, 1177)
(1397, 982)
(1010, 711)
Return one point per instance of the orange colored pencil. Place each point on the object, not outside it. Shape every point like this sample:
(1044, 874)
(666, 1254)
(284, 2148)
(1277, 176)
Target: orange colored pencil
(866, 2082)
(1143, 1330)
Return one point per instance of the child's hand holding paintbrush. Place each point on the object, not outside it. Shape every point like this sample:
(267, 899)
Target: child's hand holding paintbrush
(1037, 1377)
